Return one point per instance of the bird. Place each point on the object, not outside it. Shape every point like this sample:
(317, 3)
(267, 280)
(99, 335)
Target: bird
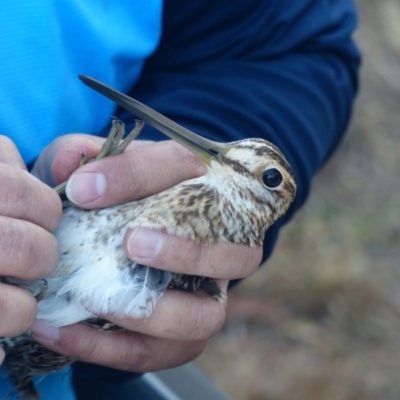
(248, 185)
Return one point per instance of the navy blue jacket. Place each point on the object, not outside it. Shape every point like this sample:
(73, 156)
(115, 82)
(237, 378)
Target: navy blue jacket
(283, 70)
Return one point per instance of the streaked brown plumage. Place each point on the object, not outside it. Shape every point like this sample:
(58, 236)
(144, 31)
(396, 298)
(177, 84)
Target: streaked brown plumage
(248, 185)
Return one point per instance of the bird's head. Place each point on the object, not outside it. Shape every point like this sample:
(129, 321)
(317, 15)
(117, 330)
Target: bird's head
(252, 174)
(260, 173)
(248, 186)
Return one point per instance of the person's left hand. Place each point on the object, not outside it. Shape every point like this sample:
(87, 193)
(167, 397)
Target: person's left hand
(182, 323)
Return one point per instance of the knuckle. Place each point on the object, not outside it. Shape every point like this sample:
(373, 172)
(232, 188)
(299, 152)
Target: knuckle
(21, 198)
(188, 255)
(50, 255)
(9, 153)
(126, 178)
(17, 245)
(204, 257)
(45, 257)
(53, 213)
(132, 174)
(42, 205)
(87, 349)
(28, 251)
(138, 356)
(82, 347)
(208, 321)
(14, 191)
(17, 310)
(140, 359)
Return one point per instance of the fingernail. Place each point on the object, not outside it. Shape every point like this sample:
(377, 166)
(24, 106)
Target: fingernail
(145, 243)
(85, 187)
(42, 330)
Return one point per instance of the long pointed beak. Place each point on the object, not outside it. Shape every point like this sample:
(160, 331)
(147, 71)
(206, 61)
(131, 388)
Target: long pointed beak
(203, 148)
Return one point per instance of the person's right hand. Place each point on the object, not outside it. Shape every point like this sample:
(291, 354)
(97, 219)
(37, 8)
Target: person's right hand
(29, 211)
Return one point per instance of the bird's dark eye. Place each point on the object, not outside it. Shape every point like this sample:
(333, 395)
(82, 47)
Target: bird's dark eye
(272, 178)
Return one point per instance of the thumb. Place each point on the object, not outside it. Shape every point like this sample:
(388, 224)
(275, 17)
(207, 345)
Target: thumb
(61, 158)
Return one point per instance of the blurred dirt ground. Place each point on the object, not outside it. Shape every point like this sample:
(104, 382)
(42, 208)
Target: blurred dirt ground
(322, 320)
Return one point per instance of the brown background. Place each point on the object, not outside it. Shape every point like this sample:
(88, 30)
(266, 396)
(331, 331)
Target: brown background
(322, 319)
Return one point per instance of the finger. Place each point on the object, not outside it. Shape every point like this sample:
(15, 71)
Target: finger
(17, 310)
(176, 254)
(25, 197)
(136, 173)
(61, 158)
(127, 350)
(180, 316)
(27, 250)
(9, 153)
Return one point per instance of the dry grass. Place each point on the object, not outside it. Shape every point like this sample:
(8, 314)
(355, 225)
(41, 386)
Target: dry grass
(321, 320)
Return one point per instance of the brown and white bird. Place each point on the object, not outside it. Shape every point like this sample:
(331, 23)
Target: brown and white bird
(248, 185)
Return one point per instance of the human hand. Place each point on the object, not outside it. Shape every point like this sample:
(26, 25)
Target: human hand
(29, 211)
(182, 322)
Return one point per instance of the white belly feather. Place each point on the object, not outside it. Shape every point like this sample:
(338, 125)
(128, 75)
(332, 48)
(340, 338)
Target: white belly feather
(97, 276)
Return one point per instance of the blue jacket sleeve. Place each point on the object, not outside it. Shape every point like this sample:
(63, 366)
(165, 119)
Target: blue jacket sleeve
(283, 70)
